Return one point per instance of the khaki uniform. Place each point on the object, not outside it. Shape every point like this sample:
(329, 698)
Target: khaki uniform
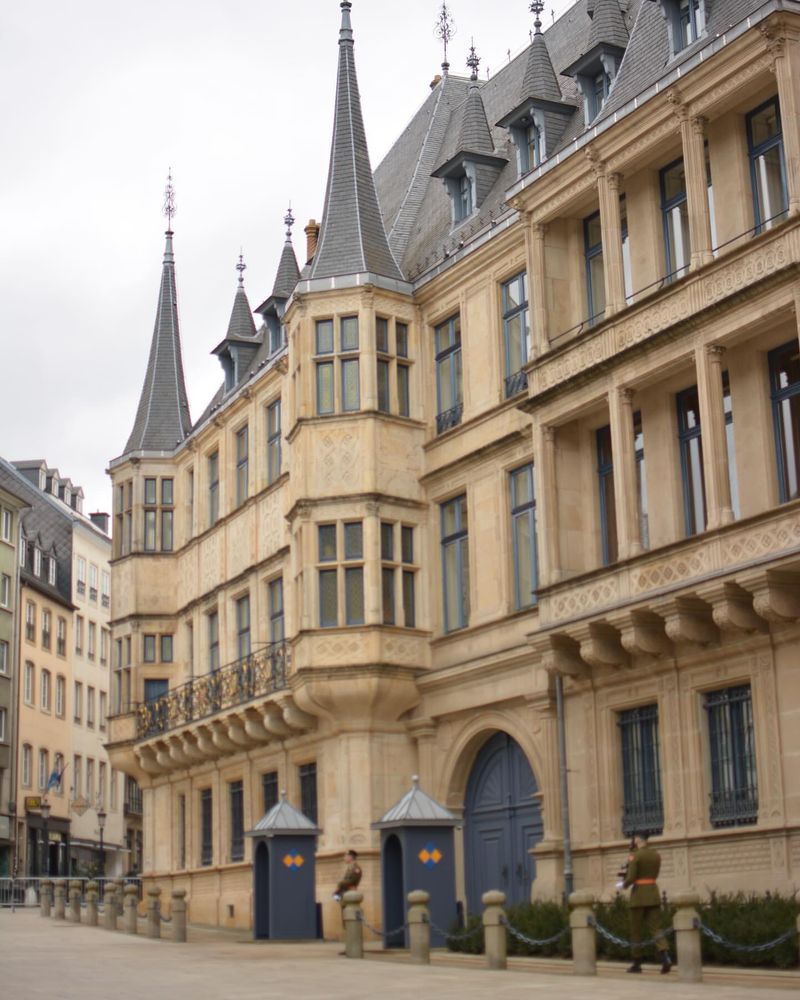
(645, 900)
(350, 879)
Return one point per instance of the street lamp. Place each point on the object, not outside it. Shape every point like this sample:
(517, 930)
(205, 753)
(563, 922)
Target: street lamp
(101, 822)
(45, 811)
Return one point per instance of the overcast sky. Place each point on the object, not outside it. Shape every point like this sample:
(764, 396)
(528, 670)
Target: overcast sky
(97, 100)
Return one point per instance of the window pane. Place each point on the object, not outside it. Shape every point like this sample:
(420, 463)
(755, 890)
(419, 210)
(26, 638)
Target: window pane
(327, 542)
(387, 592)
(679, 243)
(407, 544)
(382, 335)
(349, 333)
(409, 606)
(383, 386)
(770, 188)
(387, 541)
(403, 399)
(325, 336)
(597, 286)
(325, 387)
(166, 530)
(354, 595)
(350, 387)
(150, 491)
(353, 540)
(401, 338)
(524, 566)
(328, 604)
(166, 492)
(149, 531)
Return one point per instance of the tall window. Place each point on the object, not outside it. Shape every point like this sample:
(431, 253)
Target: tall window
(30, 621)
(691, 446)
(595, 269)
(784, 371)
(206, 828)
(61, 695)
(641, 480)
(767, 165)
(242, 464)
(44, 691)
(449, 396)
(77, 702)
(61, 637)
(734, 781)
(608, 507)
(81, 583)
(516, 332)
(101, 784)
(643, 807)
(91, 639)
(675, 215)
(181, 828)
(384, 363)
(236, 793)
(213, 642)
(90, 707)
(733, 478)
(3, 716)
(398, 571)
(167, 514)
(308, 790)
(273, 442)
(78, 634)
(403, 369)
(47, 620)
(691, 22)
(353, 574)
(27, 761)
(269, 788)
(5, 590)
(276, 622)
(347, 359)
(6, 525)
(44, 769)
(213, 489)
(243, 627)
(92, 582)
(150, 514)
(455, 563)
(29, 691)
(4, 647)
(523, 536)
(105, 594)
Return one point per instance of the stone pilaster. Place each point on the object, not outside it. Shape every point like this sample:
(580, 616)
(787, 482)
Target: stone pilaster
(534, 236)
(783, 45)
(708, 360)
(620, 408)
(547, 505)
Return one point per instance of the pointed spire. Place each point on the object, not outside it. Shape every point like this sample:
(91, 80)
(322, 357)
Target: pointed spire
(352, 238)
(540, 78)
(473, 62)
(241, 325)
(288, 273)
(474, 135)
(608, 25)
(162, 418)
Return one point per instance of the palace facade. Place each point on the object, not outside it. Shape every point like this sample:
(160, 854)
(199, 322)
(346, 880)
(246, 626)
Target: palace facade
(514, 455)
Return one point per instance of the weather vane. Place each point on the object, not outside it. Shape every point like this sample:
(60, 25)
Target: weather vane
(169, 200)
(536, 8)
(473, 60)
(288, 221)
(445, 28)
(241, 267)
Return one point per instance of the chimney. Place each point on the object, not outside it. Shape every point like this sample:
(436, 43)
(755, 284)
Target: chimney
(100, 521)
(312, 235)
(436, 81)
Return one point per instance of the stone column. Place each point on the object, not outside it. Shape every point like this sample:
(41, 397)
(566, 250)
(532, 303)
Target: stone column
(353, 928)
(91, 904)
(45, 897)
(419, 927)
(611, 229)
(784, 47)
(373, 592)
(60, 895)
(110, 906)
(626, 497)
(368, 374)
(131, 916)
(687, 937)
(708, 361)
(154, 912)
(534, 234)
(544, 470)
(75, 903)
(494, 929)
(581, 924)
(178, 914)
(693, 134)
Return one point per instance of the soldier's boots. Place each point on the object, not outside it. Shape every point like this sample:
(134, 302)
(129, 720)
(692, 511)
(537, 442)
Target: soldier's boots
(636, 967)
(666, 962)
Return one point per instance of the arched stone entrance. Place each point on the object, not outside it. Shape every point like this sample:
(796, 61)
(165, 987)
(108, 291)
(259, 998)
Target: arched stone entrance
(502, 821)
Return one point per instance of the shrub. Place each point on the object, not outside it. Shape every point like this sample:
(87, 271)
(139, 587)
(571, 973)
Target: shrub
(539, 920)
(751, 919)
(472, 944)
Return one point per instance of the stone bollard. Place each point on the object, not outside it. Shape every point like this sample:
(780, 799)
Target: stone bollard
(91, 904)
(419, 927)
(154, 912)
(178, 914)
(45, 896)
(75, 903)
(494, 929)
(131, 917)
(60, 899)
(584, 940)
(353, 928)
(687, 937)
(110, 906)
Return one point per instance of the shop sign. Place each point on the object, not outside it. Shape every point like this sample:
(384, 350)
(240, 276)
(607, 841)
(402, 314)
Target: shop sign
(33, 803)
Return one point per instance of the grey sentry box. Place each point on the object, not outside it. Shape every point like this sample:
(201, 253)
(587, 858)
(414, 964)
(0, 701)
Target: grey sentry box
(417, 852)
(284, 889)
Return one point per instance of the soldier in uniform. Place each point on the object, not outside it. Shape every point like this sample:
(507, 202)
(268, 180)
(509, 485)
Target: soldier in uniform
(645, 903)
(351, 877)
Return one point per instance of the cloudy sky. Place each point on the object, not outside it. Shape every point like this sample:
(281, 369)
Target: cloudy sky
(97, 100)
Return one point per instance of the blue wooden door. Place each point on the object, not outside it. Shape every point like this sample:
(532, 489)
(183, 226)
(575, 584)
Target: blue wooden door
(502, 822)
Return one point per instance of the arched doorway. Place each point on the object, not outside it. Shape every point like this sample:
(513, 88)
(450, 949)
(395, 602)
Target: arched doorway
(393, 901)
(502, 821)
(261, 893)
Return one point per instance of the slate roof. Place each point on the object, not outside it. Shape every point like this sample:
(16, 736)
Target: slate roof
(283, 818)
(608, 27)
(540, 77)
(416, 808)
(162, 418)
(352, 237)
(241, 325)
(288, 273)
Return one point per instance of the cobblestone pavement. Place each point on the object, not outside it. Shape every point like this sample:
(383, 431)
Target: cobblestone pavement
(40, 958)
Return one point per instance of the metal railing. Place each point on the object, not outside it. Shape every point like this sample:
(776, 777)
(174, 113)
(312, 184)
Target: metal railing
(449, 418)
(27, 891)
(263, 672)
(516, 382)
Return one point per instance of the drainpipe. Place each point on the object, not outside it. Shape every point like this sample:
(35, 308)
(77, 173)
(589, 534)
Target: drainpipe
(564, 784)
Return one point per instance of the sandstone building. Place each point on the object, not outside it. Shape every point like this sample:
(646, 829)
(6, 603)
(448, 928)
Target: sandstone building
(513, 455)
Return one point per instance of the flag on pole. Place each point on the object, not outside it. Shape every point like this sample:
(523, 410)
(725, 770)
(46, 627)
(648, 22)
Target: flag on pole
(55, 778)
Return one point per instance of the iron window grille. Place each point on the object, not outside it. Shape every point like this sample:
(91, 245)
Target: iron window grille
(643, 806)
(731, 737)
(308, 790)
(206, 828)
(237, 820)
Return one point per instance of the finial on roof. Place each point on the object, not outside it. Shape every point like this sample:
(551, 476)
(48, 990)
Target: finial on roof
(346, 31)
(283, 790)
(288, 221)
(536, 8)
(241, 267)
(415, 780)
(473, 61)
(169, 201)
(445, 30)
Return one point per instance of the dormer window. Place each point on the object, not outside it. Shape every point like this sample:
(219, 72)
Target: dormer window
(533, 146)
(463, 206)
(686, 22)
(599, 92)
(37, 561)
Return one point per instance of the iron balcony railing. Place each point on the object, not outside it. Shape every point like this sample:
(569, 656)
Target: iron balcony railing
(449, 418)
(263, 672)
(515, 383)
(643, 817)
